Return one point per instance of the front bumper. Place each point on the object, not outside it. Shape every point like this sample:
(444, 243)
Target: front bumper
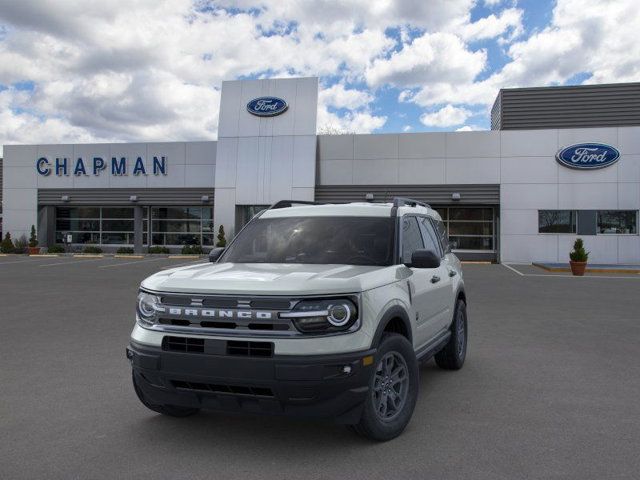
(321, 386)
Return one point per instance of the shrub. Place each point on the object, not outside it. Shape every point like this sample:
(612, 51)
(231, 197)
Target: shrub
(21, 245)
(7, 244)
(222, 241)
(192, 250)
(124, 251)
(158, 249)
(92, 249)
(579, 254)
(33, 238)
(56, 249)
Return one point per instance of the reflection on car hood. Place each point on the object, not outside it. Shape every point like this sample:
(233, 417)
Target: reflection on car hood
(271, 278)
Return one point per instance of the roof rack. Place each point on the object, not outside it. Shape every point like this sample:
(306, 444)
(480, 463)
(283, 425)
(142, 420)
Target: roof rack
(291, 203)
(403, 201)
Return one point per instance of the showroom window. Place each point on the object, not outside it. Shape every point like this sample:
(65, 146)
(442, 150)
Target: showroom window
(557, 221)
(618, 222)
(469, 228)
(96, 225)
(182, 226)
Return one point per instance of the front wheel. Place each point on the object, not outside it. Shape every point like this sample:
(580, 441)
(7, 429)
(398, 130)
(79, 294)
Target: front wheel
(452, 356)
(393, 390)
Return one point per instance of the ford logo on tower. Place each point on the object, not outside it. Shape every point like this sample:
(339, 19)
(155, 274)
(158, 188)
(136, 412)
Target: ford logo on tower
(588, 156)
(267, 106)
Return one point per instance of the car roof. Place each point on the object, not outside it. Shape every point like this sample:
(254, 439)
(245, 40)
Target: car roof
(354, 209)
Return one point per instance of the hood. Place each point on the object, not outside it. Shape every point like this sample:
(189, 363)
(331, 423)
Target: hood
(271, 279)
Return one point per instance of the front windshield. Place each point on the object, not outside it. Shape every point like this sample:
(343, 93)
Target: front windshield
(322, 240)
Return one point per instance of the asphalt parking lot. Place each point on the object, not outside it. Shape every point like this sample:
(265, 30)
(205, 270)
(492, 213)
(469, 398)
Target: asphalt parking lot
(551, 388)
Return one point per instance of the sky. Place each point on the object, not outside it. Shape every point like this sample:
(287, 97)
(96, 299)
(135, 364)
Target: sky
(73, 71)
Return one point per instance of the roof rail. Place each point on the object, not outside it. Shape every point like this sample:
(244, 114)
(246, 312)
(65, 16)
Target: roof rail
(291, 203)
(402, 201)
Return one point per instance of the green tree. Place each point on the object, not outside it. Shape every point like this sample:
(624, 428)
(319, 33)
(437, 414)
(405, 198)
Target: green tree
(579, 254)
(222, 241)
(33, 238)
(7, 244)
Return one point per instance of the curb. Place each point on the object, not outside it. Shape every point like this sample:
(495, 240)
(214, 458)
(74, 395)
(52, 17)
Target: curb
(127, 255)
(184, 256)
(88, 255)
(590, 270)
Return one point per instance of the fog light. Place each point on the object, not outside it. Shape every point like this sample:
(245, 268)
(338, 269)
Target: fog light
(346, 369)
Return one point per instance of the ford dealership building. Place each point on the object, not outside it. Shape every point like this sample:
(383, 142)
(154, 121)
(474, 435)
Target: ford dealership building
(559, 162)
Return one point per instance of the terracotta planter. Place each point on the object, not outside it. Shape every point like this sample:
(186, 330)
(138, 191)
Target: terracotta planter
(578, 268)
(34, 250)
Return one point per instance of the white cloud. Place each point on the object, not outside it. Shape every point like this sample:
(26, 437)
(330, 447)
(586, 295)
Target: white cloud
(468, 128)
(447, 116)
(433, 57)
(340, 97)
(509, 20)
(407, 128)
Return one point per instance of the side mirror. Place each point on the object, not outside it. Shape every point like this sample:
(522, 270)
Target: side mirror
(215, 254)
(424, 259)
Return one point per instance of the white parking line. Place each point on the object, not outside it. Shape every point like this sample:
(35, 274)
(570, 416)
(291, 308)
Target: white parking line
(18, 261)
(70, 263)
(513, 269)
(122, 264)
(549, 275)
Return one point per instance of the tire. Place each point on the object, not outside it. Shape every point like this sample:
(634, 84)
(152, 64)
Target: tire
(169, 410)
(452, 356)
(383, 422)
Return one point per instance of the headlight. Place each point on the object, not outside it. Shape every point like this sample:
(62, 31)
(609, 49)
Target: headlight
(148, 307)
(324, 316)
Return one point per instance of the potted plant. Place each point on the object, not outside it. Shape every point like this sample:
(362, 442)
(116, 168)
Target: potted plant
(579, 257)
(34, 249)
(222, 241)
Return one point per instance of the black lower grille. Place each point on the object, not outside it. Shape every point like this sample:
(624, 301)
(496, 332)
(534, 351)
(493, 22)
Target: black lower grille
(220, 388)
(183, 344)
(250, 349)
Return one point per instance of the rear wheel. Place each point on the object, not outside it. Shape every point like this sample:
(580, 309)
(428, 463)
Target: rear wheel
(452, 356)
(393, 390)
(170, 410)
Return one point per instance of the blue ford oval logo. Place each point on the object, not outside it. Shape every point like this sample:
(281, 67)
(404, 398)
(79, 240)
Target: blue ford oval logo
(267, 106)
(588, 156)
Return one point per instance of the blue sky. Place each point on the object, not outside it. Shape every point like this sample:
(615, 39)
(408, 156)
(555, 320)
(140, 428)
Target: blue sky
(73, 71)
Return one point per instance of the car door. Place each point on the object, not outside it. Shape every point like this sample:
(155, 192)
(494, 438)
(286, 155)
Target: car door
(443, 288)
(423, 284)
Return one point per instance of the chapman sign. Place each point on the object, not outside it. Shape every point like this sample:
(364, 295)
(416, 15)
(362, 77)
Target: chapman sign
(117, 166)
(588, 156)
(267, 106)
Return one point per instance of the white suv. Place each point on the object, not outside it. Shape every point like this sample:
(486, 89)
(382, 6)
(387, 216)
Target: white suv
(312, 310)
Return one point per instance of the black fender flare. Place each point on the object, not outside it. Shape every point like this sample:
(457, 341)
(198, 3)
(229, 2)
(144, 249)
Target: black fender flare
(395, 311)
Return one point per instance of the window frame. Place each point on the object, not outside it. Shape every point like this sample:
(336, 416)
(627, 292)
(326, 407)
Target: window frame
(619, 234)
(575, 213)
(401, 235)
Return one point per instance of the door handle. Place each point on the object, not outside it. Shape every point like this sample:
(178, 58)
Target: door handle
(435, 279)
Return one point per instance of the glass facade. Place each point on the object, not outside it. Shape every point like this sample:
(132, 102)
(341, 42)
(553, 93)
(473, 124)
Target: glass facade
(469, 228)
(96, 225)
(618, 222)
(182, 226)
(556, 221)
(115, 225)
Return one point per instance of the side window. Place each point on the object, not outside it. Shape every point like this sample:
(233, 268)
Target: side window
(430, 238)
(411, 238)
(441, 230)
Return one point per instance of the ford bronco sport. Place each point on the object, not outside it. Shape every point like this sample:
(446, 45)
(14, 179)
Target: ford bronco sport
(312, 310)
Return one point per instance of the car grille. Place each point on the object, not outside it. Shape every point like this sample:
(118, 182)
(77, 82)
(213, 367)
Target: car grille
(217, 347)
(223, 388)
(212, 314)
